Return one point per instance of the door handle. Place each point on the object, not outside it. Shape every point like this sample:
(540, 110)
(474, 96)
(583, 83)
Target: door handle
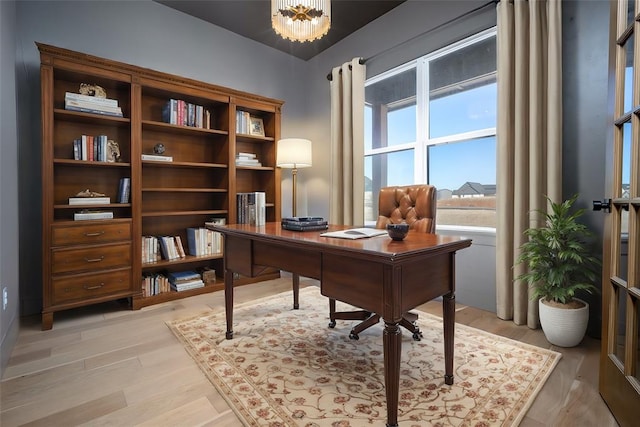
(604, 205)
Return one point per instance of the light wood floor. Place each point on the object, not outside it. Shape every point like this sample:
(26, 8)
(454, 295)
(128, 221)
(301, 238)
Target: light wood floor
(107, 365)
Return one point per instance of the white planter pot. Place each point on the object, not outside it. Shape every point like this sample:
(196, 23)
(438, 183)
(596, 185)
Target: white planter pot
(564, 327)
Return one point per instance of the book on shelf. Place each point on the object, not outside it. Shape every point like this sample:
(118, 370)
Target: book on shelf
(168, 248)
(124, 190)
(92, 110)
(89, 200)
(154, 284)
(201, 241)
(93, 100)
(182, 113)
(157, 158)
(247, 159)
(186, 286)
(88, 215)
(183, 276)
(216, 235)
(150, 249)
(251, 208)
(91, 148)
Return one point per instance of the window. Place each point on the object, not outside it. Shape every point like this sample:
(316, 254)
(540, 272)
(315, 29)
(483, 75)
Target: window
(433, 120)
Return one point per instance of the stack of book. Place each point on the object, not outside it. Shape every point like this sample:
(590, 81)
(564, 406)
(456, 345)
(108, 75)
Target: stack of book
(89, 200)
(247, 159)
(91, 104)
(185, 280)
(308, 223)
(88, 214)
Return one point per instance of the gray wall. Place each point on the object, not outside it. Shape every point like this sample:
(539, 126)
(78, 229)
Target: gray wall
(150, 35)
(585, 131)
(9, 244)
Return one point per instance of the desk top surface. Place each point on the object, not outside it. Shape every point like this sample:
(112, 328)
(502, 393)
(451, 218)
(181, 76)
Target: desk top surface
(381, 245)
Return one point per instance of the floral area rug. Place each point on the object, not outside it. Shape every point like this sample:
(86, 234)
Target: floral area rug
(285, 367)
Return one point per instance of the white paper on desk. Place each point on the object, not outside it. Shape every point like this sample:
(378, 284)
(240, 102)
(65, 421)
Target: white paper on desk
(355, 233)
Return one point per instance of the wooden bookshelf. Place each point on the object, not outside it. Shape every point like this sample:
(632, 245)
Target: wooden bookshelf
(166, 197)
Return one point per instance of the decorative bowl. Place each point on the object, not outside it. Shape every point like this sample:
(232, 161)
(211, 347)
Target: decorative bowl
(397, 231)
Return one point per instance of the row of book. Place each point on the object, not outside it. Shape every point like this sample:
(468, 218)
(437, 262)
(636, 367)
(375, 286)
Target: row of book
(182, 113)
(251, 208)
(155, 284)
(201, 241)
(247, 159)
(91, 148)
(91, 104)
(159, 283)
(243, 122)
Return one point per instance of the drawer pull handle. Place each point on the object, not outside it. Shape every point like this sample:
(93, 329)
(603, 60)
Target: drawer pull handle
(99, 233)
(92, 287)
(94, 259)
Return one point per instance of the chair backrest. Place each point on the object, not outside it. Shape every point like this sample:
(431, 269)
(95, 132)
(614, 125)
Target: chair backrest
(413, 204)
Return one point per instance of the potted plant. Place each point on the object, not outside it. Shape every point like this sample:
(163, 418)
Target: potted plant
(559, 264)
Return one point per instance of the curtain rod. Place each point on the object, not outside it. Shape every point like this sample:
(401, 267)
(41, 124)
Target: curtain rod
(437, 27)
(360, 61)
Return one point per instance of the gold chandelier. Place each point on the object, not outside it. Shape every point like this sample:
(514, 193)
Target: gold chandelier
(301, 20)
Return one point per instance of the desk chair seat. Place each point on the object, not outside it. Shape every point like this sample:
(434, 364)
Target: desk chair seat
(415, 205)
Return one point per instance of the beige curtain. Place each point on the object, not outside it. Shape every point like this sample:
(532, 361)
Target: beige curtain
(347, 144)
(529, 136)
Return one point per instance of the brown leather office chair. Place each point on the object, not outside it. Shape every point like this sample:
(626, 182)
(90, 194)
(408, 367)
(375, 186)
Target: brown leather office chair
(415, 205)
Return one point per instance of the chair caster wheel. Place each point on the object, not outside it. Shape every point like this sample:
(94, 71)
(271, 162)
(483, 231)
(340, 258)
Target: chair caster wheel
(354, 336)
(332, 324)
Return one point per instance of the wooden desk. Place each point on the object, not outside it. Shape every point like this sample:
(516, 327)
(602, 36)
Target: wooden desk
(375, 274)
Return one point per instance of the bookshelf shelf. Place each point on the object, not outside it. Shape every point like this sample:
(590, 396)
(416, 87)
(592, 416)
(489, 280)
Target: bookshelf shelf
(189, 259)
(150, 163)
(185, 190)
(184, 213)
(77, 116)
(91, 164)
(167, 127)
(166, 198)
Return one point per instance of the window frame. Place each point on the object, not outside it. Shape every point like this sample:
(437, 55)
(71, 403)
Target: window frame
(422, 103)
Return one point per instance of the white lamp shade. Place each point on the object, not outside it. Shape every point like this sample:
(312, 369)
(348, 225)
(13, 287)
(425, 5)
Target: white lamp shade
(294, 153)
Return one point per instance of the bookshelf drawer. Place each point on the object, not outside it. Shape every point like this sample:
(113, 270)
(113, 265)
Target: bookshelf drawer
(85, 286)
(91, 258)
(64, 235)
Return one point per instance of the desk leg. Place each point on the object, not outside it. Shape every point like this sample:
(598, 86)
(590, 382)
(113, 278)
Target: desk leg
(449, 321)
(392, 345)
(296, 291)
(228, 302)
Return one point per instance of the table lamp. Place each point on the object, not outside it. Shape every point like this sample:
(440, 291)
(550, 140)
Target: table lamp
(294, 153)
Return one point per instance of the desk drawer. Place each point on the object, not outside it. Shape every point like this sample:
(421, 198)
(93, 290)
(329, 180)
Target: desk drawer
(87, 234)
(81, 287)
(91, 258)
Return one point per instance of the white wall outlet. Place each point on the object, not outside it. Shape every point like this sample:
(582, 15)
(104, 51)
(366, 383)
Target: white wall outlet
(5, 298)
